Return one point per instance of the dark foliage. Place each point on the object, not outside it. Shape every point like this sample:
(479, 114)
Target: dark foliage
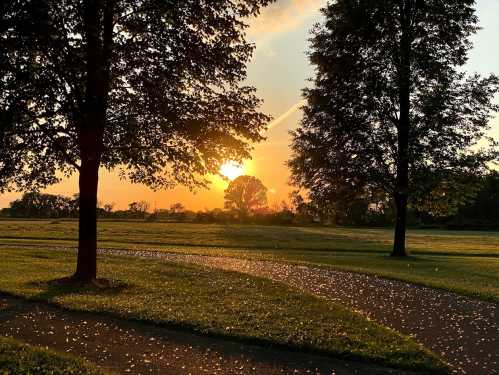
(153, 88)
(485, 207)
(390, 110)
(37, 205)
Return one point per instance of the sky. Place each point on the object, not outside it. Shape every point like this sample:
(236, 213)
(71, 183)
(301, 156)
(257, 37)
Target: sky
(279, 70)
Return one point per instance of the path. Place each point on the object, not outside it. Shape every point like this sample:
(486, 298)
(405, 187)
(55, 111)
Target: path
(127, 347)
(464, 331)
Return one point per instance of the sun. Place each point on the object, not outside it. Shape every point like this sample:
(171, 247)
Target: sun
(231, 170)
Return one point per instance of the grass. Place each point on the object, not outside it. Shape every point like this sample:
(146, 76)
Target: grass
(17, 358)
(213, 302)
(434, 242)
(439, 258)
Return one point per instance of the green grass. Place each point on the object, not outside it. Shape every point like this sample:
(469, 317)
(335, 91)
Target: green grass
(213, 302)
(440, 258)
(261, 237)
(17, 358)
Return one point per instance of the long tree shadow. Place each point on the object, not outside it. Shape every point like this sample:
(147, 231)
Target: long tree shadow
(66, 286)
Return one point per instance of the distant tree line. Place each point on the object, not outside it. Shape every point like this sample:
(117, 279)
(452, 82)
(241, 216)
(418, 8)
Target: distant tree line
(52, 206)
(38, 205)
(476, 208)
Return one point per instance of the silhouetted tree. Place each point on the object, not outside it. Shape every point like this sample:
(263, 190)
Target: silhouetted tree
(8, 159)
(245, 194)
(445, 196)
(151, 87)
(139, 209)
(305, 211)
(483, 210)
(108, 208)
(35, 204)
(177, 208)
(15, 156)
(390, 108)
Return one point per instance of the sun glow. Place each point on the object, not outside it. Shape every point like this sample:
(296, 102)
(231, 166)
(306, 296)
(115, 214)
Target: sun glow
(231, 170)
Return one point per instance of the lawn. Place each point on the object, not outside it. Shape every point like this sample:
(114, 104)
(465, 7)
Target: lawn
(439, 258)
(212, 302)
(260, 237)
(17, 358)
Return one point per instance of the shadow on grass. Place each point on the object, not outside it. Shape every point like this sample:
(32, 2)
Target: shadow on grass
(412, 258)
(39, 242)
(65, 286)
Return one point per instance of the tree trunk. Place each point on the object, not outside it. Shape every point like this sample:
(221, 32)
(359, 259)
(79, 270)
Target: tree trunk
(98, 35)
(400, 226)
(86, 267)
(402, 180)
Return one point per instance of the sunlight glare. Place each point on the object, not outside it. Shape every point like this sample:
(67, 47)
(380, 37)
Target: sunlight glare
(231, 170)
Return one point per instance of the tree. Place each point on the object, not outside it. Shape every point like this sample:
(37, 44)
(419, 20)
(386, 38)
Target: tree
(14, 157)
(152, 88)
(108, 208)
(8, 159)
(305, 211)
(177, 208)
(482, 211)
(245, 194)
(390, 108)
(139, 209)
(446, 195)
(35, 204)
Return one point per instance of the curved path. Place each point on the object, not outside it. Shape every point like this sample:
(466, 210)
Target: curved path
(462, 330)
(126, 347)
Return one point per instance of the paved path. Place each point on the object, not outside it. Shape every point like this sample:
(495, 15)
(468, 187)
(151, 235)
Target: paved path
(464, 331)
(126, 347)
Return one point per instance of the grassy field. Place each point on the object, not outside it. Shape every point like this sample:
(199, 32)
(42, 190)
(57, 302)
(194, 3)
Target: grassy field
(212, 302)
(439, 258)
(17, 358)
(434, 242)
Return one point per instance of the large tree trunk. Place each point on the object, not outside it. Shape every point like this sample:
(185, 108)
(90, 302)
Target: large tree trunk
(402, 180)
(98, 33)
(86, 267)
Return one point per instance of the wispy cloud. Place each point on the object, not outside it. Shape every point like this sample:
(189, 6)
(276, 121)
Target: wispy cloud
(284, 15)
(286, 114)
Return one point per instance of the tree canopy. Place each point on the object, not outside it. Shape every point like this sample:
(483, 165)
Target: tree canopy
(245, 194)
(175, 108)
(390, 109)
(153, 88)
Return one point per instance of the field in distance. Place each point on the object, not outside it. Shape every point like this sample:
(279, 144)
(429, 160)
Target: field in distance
(439, 258)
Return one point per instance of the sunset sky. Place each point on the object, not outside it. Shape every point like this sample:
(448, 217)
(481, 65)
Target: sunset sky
(279, 70)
